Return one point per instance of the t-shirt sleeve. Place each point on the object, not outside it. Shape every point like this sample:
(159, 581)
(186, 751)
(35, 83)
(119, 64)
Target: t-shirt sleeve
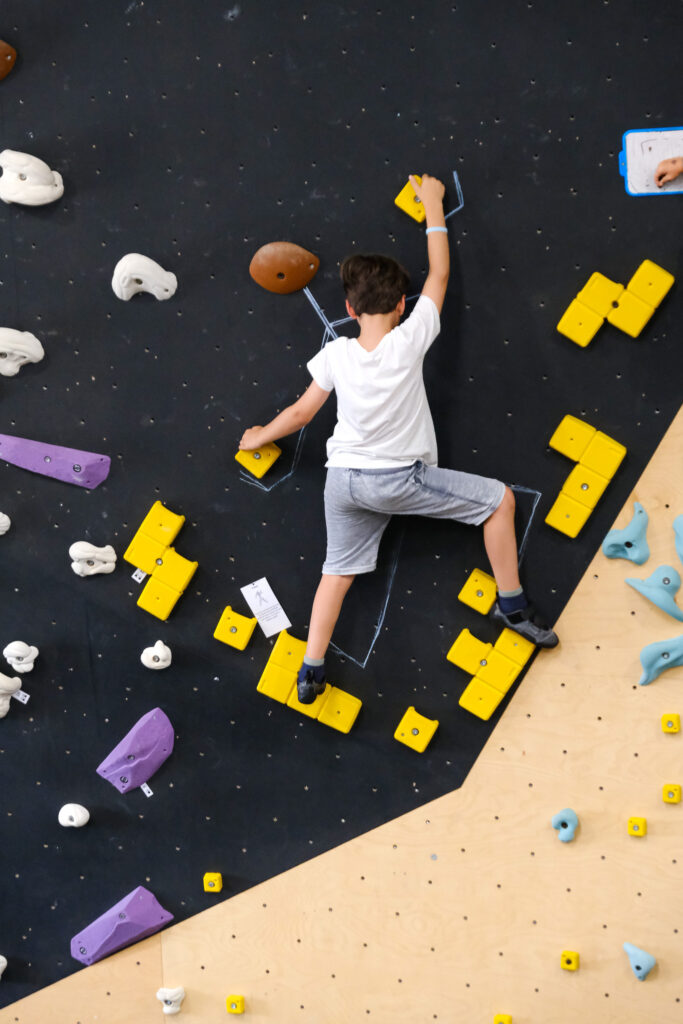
(422, 326)
(320, 370)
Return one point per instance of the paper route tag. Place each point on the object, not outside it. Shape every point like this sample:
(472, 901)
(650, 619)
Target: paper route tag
(22, 696)
(265, 606)
(139, 576)
(146, 790)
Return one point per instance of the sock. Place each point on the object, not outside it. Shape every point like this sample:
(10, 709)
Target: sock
(510, 601)
(313, 662)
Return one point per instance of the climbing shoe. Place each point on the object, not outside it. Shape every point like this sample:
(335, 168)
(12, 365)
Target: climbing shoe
(310, 683)
(527, 623)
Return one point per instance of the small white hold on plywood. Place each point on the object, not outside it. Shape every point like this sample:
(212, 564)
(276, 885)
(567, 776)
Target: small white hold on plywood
(460, 909)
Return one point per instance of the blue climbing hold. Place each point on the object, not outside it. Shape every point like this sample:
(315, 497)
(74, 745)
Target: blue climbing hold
(566, 822)
(631, 542)
(678, 533)
(640, 961)
(660, 588)
(657, 657)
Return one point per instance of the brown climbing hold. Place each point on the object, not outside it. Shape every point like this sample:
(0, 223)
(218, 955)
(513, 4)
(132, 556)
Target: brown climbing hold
(8, 55)
(283, 267)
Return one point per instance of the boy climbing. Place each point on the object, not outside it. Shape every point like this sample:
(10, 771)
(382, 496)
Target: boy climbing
(382, 457)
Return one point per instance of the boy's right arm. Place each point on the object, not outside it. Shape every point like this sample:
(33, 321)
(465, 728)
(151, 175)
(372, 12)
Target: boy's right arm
(291, 419)
(431, 193)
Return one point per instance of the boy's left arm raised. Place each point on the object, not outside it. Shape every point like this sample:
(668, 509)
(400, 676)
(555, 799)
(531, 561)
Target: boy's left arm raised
(289, 421)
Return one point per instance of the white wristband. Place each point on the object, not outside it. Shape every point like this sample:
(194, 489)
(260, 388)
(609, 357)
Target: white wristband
(436, 229)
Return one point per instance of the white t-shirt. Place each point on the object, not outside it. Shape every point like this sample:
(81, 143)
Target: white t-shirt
(383, 417)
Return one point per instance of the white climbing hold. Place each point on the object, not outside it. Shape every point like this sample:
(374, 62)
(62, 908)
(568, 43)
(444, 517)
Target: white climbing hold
(73, 816)
(21, 656)
(88, 560)
(9, 685)
(156, 657)
(137, 273)
(171, 998)
(5, 523)
(28, 180)
(18, 348)
(3, 964)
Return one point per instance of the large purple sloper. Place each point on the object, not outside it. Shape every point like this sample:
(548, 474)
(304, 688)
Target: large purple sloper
(140, 753)
(136, 916)
(73, 466)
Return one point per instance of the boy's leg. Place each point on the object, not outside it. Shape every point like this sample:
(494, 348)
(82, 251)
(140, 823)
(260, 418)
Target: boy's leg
(500, 541)
(327, 605)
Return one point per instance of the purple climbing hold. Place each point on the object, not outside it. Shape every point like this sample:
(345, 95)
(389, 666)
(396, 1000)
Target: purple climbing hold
(73, 466)
(136, 916)
(140, 753)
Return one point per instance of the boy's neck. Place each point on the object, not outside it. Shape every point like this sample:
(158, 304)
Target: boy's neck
(374, 326)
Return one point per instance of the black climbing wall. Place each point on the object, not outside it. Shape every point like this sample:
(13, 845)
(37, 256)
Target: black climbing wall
(194, 133)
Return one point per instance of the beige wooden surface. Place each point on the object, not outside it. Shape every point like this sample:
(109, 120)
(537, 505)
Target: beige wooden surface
(460, 909)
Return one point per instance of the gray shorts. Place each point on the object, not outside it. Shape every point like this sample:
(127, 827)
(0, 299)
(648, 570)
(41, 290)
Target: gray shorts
(360, 502)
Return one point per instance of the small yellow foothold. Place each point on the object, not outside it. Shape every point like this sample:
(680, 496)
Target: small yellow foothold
(468, 652)
(479, 591)
(637, 827)
(671, 722)
(502, 1018)
(584, 486)
(671, 793)
(599, 293)
(580, 323)
(567, 515)
(235, 1004)
(415, 730)
(603, 455)
(650, 283)
(570, 960)
(340, 710)
(259, 461)
(408, 201)
(572, 437)
(630, 314)
(213, 881)
(480, 698)
(234, 629)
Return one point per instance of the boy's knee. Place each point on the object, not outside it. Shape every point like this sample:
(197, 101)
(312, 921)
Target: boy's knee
(508, 502)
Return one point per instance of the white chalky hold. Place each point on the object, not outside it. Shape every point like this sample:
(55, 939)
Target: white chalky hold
(171, 998)
(73, 816)
(21, 656)
(28, 180)
(136, 273)
(5, 523)
(18, 348)
(3, 964)
(156, 657)
(8, 686)
(88, 560)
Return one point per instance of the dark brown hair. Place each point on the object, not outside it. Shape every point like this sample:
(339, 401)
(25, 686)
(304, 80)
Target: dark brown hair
(373, 283)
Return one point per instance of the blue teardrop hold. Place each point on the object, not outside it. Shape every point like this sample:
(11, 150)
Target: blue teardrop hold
(631, 542)
(640, 961)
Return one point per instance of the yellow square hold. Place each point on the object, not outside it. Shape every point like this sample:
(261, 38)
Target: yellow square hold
(650, 283)
(603, 455)
(415, 730)
(630, 314)
(235, 1004)
(161, 524)
(277, 682)
(637, 827)
(234, 629)
(599, 293)
(288, 652)
(502, 1018)
(569, 960)
(259, 461)
(498, 671)
(468, 652)
(671, 723)
(479, 591)
(579, 323)
(143, 552)
(671, 793)
(480, 698)
(213, 881)
(174, 570)
(407, 201)
(584, 486)
(310, 710)
(572, 437)
(157, 598)
(515, 647)
(567, 516)
(340, 710)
